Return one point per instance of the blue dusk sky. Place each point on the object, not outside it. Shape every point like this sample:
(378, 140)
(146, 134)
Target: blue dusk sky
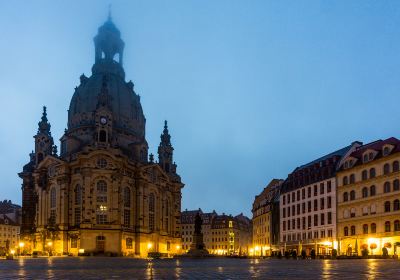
(251, 89)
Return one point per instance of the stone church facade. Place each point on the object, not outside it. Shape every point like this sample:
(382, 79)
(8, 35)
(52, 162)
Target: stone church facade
(102, 193)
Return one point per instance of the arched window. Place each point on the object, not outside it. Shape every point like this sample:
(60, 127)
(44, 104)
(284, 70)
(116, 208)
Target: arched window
(345, 196)
(353, 230)
(387, 226)
(151, 211)
(386, 187)
(365, 192)
(386, 169)
(127, 197)
(365, 229)
(364, 175)
(386, 151)
(345, 180)
(346, 231)
(387, 206)
(352, 179)
(373, 209)
(396, 205)
(346, 213)
(365, 158)
(373, 228)
(101, 191)
(353, 212)
(397, 225)
(129, 243)
(396, 185)
(365, 210)
(372, 190)
(102, 136)
(372, 173)
(352, 195)
(78, 195)
(167, 215)
(395, 166)
(53, 195)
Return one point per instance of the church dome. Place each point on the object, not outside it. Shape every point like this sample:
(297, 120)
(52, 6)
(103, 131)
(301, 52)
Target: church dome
(107, 74)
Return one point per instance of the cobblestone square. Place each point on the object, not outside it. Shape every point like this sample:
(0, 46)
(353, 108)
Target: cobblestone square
(125, 268)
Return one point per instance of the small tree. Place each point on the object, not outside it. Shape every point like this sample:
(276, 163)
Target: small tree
(385, 252)
(365, 252)
(372, 247)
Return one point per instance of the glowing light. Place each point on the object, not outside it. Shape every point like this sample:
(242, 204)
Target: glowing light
(21, 244)
(149, 245)
(49, 244)
(81, 251)
(257, 248)
(178, 247)
(12, 252)
(327, 243)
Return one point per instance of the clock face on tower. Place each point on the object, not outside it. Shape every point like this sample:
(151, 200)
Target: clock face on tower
(103, 120)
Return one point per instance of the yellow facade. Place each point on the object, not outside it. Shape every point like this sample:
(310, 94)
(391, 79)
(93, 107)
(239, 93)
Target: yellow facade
(368, 200)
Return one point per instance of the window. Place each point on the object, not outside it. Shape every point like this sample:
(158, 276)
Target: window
(284, 200)
(352, 212)
(167, 214)
(373, 228)
(345, 180)
(372, 190)
(345, 196)
(315, 220)
(372, 173)
(127, 197)
(304, 223)
(386, 151)
(284, 213)
(396, 205)
(387, 226)
(303, 207)
(328, 186)
(78, 195)
(396, 185)
(293, 224)
(352, 179)
(352, 195)
(322, 203)
(284, 225)
(370, 156)
(365, 210)
(127, 218)
(298, 209)
(365, 229)
(395, 166)
(101, 191)
(101, 163)
(298, 195)
(353, 230)
(309, 222)
(387, 206)
(315, 204)
(293, 197)
(293, 210)
(365, 192)
(397, 225)
(386, 187)
(101, 218)
(102, 136)
(298, 223)
(330, 233)
(373, 209)
(309, 192)
(303, 193)
(365, 158)
(315, 190)
(329, 202)
(364, 175)
(288, 211)
(309, 206)
(322, 222)
(329, 218)
(322, 188)
(151, 211)
(53, 195)
(346, 231)
(77, 216)
(128, 243)
(386, 169)
(74, 242)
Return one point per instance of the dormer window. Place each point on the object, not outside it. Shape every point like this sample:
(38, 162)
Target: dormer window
(346, 165)
(371, 156)
(365, 159)
(386, 150)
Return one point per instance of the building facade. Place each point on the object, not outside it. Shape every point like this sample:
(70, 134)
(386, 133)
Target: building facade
(103, 193)
(308, 205)
(266, 220)
(222, 234)
(9, 236)
(368, 199)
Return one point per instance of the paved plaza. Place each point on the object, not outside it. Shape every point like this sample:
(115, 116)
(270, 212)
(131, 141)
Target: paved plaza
(125, 268)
